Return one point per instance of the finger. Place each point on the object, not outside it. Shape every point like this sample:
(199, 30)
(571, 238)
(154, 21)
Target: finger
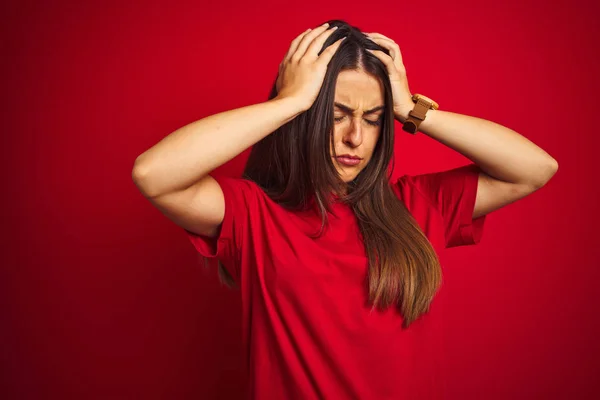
(307, 40)
(392, 47)
(377, 35)
(317, 44)
(387, 60)
(294, 45)
(388, 44)
(328, 53)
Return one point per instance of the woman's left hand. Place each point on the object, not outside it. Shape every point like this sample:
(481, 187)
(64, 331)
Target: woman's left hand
(397, 72)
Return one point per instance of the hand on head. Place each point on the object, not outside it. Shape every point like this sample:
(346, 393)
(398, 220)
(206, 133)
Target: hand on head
(302, 71)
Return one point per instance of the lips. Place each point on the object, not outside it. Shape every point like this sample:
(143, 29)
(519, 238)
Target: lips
(348, 160)
(349, 156)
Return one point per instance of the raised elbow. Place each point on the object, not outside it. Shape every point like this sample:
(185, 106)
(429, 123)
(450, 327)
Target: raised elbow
(139, 175)
(551, 169)
(546, 173)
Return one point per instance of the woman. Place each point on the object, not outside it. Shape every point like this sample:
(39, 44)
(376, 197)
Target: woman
(334, 261)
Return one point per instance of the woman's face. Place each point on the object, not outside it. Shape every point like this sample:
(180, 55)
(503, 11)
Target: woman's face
(358, 110)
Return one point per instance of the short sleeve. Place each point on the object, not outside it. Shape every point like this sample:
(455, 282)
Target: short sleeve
(228, 244)
(453, 193)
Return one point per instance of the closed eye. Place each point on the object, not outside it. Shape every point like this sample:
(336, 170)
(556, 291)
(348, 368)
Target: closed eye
(373, 123)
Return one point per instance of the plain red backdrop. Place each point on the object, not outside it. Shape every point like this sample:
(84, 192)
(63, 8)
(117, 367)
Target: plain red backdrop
(103, 297)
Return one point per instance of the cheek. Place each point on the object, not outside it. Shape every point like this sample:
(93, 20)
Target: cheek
(336, 135)
(336, 131)
(373, 143)
(374, 137)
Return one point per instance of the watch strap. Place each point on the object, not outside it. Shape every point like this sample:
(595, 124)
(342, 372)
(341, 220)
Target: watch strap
(416, 116)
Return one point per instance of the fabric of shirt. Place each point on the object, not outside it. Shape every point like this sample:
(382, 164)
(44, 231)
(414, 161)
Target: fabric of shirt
(308, 328)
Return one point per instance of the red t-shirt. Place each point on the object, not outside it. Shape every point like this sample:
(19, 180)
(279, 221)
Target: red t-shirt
(307, 327)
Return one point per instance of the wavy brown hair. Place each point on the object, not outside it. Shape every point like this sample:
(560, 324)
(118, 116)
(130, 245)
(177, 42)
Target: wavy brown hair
(294, 165)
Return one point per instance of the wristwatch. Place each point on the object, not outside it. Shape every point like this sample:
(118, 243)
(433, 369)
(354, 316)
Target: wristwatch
(417, 114)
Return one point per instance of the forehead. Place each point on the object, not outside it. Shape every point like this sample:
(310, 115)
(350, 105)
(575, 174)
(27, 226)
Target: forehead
(358, 89)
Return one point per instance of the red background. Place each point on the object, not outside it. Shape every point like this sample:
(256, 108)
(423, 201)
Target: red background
(103, 297)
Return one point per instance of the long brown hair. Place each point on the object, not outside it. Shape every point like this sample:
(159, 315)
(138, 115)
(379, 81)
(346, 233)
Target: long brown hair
(294, 164)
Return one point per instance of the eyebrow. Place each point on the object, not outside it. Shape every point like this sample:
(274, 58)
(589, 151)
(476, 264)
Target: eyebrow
(351, 111)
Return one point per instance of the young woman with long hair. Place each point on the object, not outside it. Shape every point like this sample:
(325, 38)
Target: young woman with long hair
(335, 261)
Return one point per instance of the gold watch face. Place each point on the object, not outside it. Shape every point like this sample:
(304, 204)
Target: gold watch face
(417, 96)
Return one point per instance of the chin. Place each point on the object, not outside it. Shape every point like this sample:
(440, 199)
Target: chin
(347, 178)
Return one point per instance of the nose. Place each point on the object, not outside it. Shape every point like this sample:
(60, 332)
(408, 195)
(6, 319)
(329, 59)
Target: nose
(353, 135)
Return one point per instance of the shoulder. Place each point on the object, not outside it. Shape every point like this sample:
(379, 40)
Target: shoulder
(449, 194)
(440, 187)
(410, 188)
(237, 190)
(237, 183)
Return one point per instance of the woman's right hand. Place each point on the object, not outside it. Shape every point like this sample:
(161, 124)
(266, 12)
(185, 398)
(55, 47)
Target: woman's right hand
(302, 71)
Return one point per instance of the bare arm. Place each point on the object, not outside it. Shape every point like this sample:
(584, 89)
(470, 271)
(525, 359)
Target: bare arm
(191, 152)
(174, 173)
(512, 166)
